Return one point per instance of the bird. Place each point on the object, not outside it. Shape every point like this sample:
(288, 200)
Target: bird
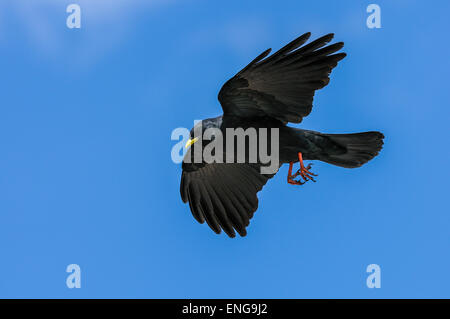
(270, 92)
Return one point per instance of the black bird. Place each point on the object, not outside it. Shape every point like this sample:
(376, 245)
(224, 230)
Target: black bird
(269, 93)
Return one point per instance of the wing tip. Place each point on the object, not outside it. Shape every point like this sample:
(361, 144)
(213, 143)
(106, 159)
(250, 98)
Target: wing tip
(254, 61)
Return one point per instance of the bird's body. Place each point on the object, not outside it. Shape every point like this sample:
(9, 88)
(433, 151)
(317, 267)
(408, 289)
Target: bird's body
(313, 145)
(267, 95)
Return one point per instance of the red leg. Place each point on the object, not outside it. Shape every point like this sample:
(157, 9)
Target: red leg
(303, 172)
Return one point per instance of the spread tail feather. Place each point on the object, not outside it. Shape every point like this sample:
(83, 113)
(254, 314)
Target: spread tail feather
(360, 148)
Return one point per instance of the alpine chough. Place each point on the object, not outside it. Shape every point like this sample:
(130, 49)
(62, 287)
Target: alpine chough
(269, 93)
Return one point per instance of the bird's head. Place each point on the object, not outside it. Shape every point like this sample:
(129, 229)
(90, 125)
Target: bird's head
(197, 132)
(198, 140)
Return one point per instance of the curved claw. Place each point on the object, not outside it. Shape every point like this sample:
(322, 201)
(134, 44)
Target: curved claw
(292, 181)
(295, 182)
(306, 170)
(307, 176)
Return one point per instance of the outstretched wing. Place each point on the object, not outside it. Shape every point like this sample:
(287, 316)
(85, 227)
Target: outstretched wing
(223, 195)
(282, 86)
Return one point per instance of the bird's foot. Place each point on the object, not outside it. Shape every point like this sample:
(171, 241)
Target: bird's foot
(303, 172)
(305, 175)
(292, 181)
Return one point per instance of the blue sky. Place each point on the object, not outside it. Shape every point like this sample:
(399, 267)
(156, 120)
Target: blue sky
(86, 175)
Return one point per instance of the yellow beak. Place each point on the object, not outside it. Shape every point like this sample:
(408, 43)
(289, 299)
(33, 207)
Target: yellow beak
(190, 142)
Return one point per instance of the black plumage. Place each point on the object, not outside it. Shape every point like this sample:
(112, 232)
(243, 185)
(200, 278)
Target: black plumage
(268, 93)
